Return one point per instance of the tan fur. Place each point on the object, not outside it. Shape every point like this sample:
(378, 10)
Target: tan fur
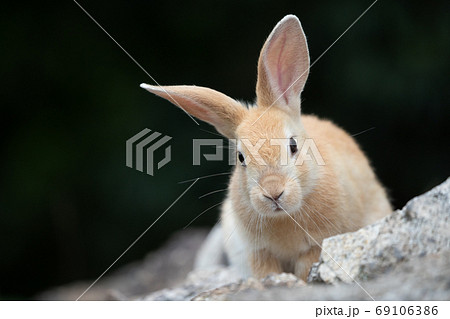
(345, 196)
(204, 103)
(276, 215)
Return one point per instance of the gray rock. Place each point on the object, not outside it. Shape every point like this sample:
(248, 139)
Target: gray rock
(220, 283)
(250, 285)
(419, 229)
(421, 278)
(164, 268)
(405, 256)
(196, 283)
(408, 253)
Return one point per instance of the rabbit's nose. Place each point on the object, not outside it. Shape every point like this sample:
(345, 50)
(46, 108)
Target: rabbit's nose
(274, 197)
(272, 187)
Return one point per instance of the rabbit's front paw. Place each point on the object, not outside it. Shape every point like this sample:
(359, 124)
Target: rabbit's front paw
(305, 261)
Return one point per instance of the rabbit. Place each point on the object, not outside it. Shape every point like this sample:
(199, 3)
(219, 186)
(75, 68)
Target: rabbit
(277, 212)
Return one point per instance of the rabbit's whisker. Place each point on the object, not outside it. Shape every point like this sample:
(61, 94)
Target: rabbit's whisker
(213, 192)
(215, 205)
(203, 177)
(312, 219)
(369, 129)
(217, 134)
(325, 221)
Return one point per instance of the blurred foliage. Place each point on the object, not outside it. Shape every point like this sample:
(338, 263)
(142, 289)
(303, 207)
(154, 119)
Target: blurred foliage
(71, 98)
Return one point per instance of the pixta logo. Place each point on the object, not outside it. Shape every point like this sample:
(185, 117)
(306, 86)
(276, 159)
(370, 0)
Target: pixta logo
(140, 150)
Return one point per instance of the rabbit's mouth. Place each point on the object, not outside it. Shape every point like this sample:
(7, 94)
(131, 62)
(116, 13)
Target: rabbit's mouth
(275, 208)
(273, 205)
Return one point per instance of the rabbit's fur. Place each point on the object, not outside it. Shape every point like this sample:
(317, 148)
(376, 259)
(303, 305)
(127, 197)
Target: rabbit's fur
(276, 214)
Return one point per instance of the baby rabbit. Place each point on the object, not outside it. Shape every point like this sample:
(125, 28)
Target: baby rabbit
(282, 202)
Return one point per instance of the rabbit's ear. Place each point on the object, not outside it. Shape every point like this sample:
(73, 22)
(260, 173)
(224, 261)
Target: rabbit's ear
(205, 104)
(283, 66)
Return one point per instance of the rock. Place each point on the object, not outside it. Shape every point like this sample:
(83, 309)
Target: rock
(196, 282)
(419, 229)
(405, 256)
(421, 278)
(251, 284)
(219, 283)
(164, 268)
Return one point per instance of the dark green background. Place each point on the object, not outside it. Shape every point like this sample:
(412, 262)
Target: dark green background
(70, 98)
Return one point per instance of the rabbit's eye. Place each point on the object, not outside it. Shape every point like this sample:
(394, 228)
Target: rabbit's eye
(241, 158)
(293, 145)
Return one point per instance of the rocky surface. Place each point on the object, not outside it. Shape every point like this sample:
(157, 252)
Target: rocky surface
(250, 286)
(421, 278)
(195, 283)
(164, 268)
(405, 256)
(420, 228)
